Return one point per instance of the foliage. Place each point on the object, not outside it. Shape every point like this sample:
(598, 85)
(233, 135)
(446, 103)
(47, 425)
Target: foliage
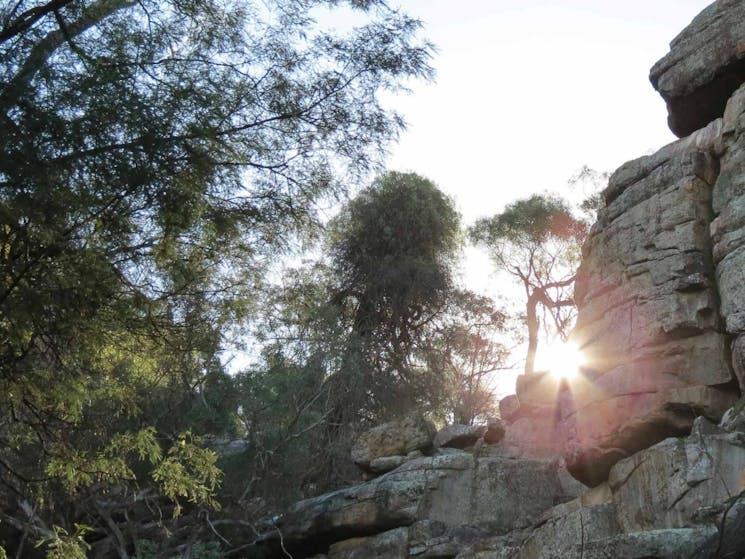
(538, 241)
(67, 546)
(393, 249)
(152, 154)
(462, 352)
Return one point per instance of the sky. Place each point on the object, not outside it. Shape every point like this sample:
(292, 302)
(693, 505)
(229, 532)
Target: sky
(529, 91)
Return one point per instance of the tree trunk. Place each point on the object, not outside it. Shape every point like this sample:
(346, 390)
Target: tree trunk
(533, 325)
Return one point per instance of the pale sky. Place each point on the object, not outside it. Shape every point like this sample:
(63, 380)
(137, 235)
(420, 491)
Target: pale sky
(529, 91)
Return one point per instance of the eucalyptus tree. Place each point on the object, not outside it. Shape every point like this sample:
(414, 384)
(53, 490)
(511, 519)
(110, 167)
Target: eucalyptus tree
(538, 241)
(153, 155)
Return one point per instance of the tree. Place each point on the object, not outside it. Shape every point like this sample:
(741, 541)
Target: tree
(538, 241)
(152, 154)
(393, 249)
(462, 352)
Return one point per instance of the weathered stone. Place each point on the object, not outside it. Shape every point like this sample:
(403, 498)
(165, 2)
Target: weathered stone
(396, 438)
(495, 430)
(648, 319)
(493, 493)
(738, 360)
(393, 544)
(385, 464)
(571, 528)
(706, 64)
(728, 228)
(432, 539)
(730, 541)
(668, 485)
(538, 389)
(459, 436)
(538, 436)
(227, 447)
(733, 420)
(509, 407)
(498, 547)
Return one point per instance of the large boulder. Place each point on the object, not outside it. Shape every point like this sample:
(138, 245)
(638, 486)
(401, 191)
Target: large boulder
(648, 320)
(705, 65)
(490, 494)
(459, 436)
(396, 438)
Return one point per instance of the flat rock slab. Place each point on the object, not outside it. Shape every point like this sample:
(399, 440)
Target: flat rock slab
(456, 489)
(459, 436)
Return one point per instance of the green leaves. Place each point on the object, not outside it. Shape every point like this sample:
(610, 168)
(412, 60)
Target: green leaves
(531, 220)
(63, 545)
(154, 157)
(188, 471)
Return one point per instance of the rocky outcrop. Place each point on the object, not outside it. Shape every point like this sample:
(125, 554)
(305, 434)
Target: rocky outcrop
(706, 64)
(391, 440)
(728, 228)
(679, 499)
(649, 309)
(683, 498)
(468, 493)
(661, 322)
(459, 436)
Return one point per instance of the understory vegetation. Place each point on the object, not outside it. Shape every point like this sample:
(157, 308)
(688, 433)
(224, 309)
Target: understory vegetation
(171, 375)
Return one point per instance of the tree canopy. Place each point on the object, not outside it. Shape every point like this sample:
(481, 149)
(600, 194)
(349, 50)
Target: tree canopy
(153, 155)
(538, 241)
(393, 248)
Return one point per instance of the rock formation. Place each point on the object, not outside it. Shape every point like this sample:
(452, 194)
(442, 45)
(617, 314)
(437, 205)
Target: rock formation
(650, 425)
(706, 64)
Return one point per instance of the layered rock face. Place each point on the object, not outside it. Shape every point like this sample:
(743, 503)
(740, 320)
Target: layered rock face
(649, 314)
(706, 64)
(683, 498)
(661, 291)
(437, 503)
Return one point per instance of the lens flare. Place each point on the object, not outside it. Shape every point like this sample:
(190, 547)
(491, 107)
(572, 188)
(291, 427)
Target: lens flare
(562, 360)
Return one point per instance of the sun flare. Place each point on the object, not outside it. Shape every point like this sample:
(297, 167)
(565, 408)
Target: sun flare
(562, 360)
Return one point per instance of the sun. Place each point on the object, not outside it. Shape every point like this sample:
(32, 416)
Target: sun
(562, 360)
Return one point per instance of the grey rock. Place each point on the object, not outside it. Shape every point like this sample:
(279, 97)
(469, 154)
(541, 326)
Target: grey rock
(396, 438)
(414, 454)
(490, 493)
(386, 464)
(393, 544)
(227, 447)
(648, 319)
(667, 485)
(733, 420)
(459, 436)
(706, 64)
(495, 430)
(509, 406)
(728, 227)
(738, 360)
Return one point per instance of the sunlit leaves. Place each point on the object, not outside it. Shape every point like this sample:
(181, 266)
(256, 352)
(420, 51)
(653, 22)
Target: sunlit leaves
(189, 471)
